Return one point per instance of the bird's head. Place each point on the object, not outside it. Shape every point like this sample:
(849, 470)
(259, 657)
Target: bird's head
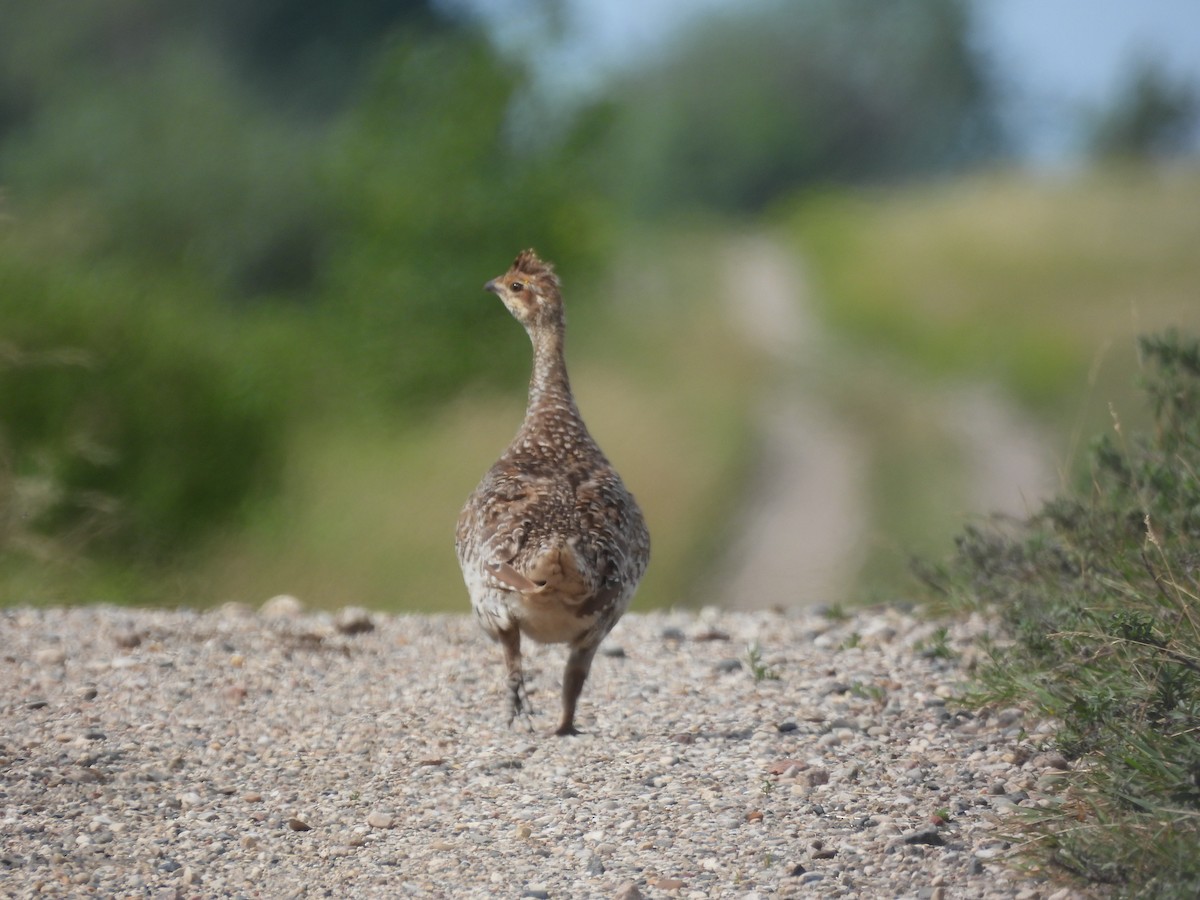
(531, 291)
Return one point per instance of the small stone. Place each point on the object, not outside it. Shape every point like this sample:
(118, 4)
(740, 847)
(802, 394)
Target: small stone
(1050, 760)
(629, 891)
(613, 652)
(990, 852)
(283, 606)
(755, 815)
(673, 634)
(234, 609)
(536, 893)
(1010, 716)
(786, 766)
(928, 836)
(1052, 782)
(796, 871)
(379, 818)
(252, 797)
(353, 620)
(788, 726)
(728, 665)
(667, 884)
(815, 777)
(50, 656)
(595, 866)
(811, 877)
(128, 639)
(297, 824)
(37, 704)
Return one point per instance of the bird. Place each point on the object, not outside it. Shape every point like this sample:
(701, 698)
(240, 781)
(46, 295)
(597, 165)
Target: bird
(551, 543)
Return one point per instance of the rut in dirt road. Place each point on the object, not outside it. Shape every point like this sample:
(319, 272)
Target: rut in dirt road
(802, 532)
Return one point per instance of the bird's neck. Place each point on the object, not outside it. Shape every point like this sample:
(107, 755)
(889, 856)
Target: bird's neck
(549, 388)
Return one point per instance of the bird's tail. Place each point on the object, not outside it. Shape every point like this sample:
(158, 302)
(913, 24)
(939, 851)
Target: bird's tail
(557, 569)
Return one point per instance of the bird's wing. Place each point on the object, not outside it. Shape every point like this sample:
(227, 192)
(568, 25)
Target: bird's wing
(527, 534)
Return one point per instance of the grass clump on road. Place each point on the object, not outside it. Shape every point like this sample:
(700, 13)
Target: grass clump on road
(1100, 592)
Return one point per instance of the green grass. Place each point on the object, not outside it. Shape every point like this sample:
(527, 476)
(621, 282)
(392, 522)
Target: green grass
(1024, 280)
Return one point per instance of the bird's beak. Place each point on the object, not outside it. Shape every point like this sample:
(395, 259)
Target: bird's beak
(492, 286)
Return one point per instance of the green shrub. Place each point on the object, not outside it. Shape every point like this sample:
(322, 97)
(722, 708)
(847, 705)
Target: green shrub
(1101, 593)
(129, 411)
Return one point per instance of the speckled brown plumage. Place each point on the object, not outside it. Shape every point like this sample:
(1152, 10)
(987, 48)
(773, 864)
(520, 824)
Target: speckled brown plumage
(552, 546)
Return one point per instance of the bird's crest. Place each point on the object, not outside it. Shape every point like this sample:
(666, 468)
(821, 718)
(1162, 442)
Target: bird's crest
(529, 264)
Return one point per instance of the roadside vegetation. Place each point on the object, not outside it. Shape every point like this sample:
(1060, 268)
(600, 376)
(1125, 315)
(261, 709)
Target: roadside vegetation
(1099, 597)
(1044, 288)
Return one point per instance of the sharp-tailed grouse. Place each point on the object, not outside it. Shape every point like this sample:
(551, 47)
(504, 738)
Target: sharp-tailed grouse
(551, 544)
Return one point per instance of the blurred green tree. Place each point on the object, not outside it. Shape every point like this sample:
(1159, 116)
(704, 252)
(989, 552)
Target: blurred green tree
(1155, 114)
(756, 103)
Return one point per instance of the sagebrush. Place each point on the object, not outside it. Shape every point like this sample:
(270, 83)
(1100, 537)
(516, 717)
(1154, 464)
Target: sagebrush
(1098, 594)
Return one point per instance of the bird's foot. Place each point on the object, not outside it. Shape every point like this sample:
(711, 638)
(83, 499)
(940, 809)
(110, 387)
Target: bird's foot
(518, 703)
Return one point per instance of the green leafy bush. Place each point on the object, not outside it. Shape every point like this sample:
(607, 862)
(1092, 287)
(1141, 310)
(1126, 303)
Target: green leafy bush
(127, 411)
(1101, 594)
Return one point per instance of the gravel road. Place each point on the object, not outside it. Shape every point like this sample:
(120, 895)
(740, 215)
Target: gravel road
(273, 753)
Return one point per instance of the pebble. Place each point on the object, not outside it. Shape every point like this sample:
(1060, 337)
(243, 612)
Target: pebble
(283, 606)
(928, 836)
(378, 818)
(236, 747)
(353, 620)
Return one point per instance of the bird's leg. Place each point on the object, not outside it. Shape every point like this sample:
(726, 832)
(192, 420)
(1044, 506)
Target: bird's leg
(518, 697)
(579, 663)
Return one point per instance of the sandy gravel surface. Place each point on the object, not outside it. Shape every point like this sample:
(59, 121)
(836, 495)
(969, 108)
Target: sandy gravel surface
(234, 753)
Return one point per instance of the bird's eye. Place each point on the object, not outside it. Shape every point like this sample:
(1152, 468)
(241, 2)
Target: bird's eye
(517, 286)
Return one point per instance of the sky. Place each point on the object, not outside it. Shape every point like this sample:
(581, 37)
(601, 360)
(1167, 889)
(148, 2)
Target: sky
(1056, 59)
(1062, 57)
